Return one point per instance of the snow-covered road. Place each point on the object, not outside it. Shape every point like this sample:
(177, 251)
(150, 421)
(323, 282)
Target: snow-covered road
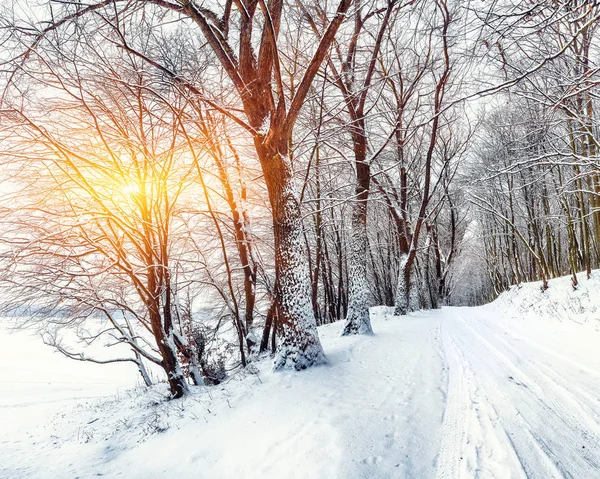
(456, 393)
(519, 404)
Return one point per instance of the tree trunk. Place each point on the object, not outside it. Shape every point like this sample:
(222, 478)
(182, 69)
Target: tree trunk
(142, 368)
(415, 285)
(269, 324)
(357, 319)
(403, 287)
(298, 345)
(166, 345)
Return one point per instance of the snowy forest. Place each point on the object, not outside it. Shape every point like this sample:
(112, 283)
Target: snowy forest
(196, 188)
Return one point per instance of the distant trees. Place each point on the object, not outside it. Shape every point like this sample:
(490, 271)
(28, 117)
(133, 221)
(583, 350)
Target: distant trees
(539, 202)
(426, 140)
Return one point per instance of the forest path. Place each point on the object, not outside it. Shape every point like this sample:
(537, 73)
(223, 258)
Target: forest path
(453, 393)
(520, 403)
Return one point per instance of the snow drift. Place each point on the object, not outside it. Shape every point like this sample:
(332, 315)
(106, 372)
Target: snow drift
(559, 302)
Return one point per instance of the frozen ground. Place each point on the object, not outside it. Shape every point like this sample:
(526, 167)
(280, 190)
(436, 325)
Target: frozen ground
(511, 389)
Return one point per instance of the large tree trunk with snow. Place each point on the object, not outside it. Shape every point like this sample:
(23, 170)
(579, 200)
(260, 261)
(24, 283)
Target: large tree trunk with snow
(357, 319)
(416, 286)
(298, 345)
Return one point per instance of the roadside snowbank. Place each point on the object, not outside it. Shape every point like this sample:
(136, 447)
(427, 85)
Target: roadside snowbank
(559, 302)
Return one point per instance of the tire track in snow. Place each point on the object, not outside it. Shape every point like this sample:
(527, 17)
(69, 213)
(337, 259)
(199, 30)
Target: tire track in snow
(454, 423)
(584, 397)
(562, 407)
(474, 442)
(515, 442)
(569, 422)
(537, 410)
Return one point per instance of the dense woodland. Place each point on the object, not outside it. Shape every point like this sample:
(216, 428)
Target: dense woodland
(206, 182)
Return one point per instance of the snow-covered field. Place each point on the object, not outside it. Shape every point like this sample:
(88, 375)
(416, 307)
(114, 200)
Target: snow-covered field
(511, 389)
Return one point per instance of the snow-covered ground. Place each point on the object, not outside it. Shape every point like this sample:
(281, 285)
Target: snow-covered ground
(511, 389)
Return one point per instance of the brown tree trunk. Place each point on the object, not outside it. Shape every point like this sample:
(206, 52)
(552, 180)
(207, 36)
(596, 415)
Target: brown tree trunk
(298, 344)
(166, 346)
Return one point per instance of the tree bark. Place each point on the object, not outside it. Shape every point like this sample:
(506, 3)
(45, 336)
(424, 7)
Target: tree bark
(166, 345)
(403, 287)
(298, 345)
(357, 319)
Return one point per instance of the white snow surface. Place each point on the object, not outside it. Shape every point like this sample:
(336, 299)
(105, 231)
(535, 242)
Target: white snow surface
(511, 389)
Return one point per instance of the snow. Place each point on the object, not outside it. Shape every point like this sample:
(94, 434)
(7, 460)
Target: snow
(560, 301)
(36, 385)
(504, 390)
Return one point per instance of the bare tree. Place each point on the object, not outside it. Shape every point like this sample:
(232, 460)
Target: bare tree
(102, 172)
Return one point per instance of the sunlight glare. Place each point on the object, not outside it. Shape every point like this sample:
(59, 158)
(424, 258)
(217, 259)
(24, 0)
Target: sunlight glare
(130, 189)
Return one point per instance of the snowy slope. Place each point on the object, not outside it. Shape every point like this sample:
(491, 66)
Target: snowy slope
(37, 385)
(560, 301)
(462, 392)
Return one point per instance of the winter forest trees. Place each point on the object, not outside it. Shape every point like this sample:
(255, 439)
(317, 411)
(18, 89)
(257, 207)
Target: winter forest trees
(199, 183)
(539, 210)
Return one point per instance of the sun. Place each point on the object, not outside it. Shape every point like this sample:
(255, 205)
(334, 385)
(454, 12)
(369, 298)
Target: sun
(130, 189)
